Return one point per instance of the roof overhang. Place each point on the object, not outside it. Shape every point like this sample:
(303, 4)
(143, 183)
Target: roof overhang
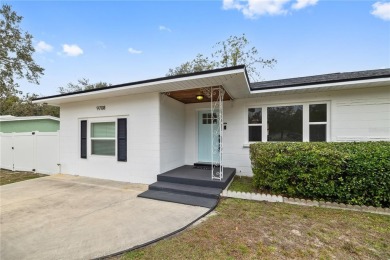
(233, 79)
(356, 84)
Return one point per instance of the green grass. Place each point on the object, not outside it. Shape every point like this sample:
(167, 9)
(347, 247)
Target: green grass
(242, 184)
(260, 230)
(7, 177)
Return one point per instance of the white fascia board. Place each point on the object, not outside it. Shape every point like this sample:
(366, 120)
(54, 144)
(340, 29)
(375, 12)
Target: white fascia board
(141, 85)
(314, 86)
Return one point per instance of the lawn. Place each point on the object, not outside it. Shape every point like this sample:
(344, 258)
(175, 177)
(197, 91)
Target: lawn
(243, 184)
(7, 177)
(260, 230)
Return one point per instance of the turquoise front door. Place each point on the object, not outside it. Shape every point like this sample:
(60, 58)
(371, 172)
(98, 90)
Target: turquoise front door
(205, 121)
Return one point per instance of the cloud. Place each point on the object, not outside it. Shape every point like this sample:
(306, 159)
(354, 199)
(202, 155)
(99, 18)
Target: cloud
(72, 50)
(299, 4)
(164, 28)
(134, 51)
(255, 8)
(42, 47)
(381, 10)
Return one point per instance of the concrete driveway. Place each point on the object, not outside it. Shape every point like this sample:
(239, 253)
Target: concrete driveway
(70, 217)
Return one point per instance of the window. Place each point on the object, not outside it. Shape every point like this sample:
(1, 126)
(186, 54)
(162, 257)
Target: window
(254, 124)
(317, 122)
(285, 123)
(207, 118)
(290, 123)
(103, 138)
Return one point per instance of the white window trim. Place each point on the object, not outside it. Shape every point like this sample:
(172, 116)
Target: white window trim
(305, 119)
(327, 123)
(260, 124)
(90, 138)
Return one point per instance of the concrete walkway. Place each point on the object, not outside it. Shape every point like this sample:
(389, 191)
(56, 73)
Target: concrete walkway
(70, 217)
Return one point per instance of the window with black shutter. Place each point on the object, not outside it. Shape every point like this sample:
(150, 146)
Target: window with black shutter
(83, 135)
(122, 139)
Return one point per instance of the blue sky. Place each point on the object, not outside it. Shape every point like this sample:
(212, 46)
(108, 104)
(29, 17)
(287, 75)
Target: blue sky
(124, 41)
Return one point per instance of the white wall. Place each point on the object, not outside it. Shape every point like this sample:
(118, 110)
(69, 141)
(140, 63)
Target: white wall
(39, 151)
(143, 138)
(355, 115)
(172, 133)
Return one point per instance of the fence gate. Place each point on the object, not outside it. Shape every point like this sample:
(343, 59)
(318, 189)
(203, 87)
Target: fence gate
(31, 151)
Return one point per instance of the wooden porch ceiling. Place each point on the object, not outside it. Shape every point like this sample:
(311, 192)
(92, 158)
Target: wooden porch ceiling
(189, 96)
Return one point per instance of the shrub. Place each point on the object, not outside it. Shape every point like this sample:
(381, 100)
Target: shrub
(353, 173)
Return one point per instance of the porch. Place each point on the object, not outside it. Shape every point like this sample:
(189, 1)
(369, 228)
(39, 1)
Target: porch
(190, 185)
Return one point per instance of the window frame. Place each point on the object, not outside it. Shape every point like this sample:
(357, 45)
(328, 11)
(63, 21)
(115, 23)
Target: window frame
(326, 123)
(90, 138)
(248, 125)
(305, 124)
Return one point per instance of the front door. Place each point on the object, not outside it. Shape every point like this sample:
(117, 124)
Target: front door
(205, 121)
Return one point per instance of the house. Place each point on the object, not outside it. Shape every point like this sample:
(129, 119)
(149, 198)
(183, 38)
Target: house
(13, 124)
(136, 131)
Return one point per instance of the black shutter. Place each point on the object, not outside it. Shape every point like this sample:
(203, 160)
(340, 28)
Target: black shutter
(122, 139)
(83, 144)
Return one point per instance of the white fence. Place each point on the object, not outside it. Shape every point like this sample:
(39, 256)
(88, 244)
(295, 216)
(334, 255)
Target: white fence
(31, 151)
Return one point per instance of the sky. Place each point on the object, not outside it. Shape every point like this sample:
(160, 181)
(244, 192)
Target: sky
(124, 41)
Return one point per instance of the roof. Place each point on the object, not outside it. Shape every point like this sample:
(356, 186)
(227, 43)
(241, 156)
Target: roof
(230, 78)
(20, 118)
(321, 79)
(234, 80)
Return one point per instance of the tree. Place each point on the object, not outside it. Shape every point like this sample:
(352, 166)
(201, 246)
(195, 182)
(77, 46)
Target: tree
(23, 106)
(200, 63)
(231, 52)
(16, 52)
(82, 84)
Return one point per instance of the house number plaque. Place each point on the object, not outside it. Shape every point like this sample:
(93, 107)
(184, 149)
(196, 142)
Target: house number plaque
(100, 107)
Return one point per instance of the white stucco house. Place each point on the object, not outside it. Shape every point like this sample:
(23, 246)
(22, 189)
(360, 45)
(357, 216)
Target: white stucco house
(136, 131)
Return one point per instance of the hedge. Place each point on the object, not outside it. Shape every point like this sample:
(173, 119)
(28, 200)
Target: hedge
(352, 173)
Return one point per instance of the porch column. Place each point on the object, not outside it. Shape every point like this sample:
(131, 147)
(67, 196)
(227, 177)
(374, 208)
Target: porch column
(216, 105)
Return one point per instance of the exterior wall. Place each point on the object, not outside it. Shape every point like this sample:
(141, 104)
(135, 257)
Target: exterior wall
(41, 125)
(172, 132)
(355, 115)
(143, 138)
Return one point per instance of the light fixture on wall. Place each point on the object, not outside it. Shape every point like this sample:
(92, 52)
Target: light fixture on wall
(199, 97)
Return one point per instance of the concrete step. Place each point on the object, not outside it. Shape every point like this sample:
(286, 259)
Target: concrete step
(207, 192)
(189, 175)
(179, 198)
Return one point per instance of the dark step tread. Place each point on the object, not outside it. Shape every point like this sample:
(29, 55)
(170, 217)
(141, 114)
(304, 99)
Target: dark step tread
(204, 165)
(179, 198)
(195, 182)
(186, 189)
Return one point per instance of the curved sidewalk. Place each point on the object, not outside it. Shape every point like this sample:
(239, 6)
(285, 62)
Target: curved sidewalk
(71, 217)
